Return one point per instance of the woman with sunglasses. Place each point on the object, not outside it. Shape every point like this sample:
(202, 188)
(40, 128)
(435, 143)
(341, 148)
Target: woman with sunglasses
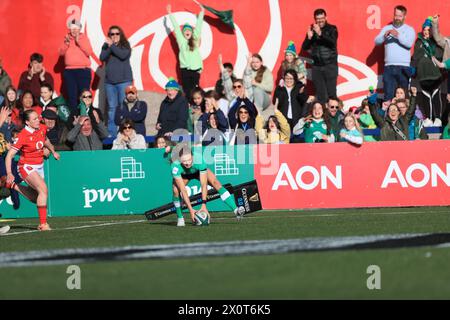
(76, 50)
(127, 138)
(116, 53)
(86, 108)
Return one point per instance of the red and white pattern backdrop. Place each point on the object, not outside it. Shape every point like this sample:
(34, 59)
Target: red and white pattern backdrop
(264, 26)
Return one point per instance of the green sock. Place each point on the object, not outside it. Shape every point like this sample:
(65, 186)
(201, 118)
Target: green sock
(177, 204)
(227, 198)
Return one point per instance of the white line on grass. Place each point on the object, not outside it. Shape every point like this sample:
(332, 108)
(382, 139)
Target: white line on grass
(79, 227)
(285, 215)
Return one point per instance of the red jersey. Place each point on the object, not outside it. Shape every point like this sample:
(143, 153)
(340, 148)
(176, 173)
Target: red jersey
(31, 143)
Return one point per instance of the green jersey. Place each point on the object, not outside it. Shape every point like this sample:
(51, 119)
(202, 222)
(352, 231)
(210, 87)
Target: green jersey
(198, 167)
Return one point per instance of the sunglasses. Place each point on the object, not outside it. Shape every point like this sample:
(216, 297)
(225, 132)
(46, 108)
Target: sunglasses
(333, 107)
(114, 34)
(243, 112)
(87, 97)
(127, 127)
(238, 86)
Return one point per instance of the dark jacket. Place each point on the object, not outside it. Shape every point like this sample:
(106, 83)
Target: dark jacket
(323, 48)
(426, 70)
(34, 85)
(203, 122)
(137, 113)
(173, 114)
(243, 132)
(337, 123)
(388, 133)
(118, 68)
(297, 101)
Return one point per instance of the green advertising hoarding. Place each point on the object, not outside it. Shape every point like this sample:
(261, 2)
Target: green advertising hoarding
(113, 182)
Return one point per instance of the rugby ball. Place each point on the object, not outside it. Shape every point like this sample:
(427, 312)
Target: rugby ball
(201, 218)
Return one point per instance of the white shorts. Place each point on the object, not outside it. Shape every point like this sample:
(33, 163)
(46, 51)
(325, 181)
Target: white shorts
(26, 169)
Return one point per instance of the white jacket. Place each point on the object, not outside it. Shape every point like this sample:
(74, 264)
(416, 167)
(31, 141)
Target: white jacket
(137, 142)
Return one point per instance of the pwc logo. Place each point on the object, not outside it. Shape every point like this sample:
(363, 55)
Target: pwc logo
(130, 169)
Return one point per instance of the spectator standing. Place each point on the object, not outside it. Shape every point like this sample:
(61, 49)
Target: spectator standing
(321, 38)
(188, 40)
(128, 138)
(32, 79)
(173, 113)
(291, 97)
(398, 39)
(261, 80)
(292, 61)
(444, 43)
(76, 50)
(428, 74)
(116, 53)
(134, 109)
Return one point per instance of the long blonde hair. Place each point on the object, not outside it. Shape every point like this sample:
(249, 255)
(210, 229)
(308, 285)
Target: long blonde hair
(357, 126)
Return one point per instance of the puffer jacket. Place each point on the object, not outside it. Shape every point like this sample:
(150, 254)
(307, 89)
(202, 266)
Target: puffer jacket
(323, 48)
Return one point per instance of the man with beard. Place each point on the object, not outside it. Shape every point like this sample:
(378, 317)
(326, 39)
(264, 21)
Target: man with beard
(398, 39)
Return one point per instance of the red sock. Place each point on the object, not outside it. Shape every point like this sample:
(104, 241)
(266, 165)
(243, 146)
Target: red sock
(42, 211)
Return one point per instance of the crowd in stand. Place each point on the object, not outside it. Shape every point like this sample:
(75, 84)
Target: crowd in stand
(235, 112)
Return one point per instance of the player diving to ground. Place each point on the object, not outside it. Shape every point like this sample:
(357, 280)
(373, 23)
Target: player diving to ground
(188, 166)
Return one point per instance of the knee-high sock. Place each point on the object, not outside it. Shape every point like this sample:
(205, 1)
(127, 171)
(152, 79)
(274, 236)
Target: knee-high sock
(42, 211)
(227, 198)
(177, 204)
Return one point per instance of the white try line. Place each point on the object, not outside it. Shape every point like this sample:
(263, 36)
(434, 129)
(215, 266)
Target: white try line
(79, 227)
(283, 215)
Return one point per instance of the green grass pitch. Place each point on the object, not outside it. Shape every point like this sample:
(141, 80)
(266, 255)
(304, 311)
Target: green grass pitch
(406, 273)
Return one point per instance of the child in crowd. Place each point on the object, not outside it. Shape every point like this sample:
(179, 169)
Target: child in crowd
(315, 125)
(352, 131)
(292, 61)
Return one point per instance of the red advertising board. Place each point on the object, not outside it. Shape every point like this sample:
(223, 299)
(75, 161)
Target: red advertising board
(262, 26)
(339, 175)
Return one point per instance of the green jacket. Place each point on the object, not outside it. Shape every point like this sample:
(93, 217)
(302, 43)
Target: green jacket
(446, 132)
(388, 133)
(424, 50)
(191, 60)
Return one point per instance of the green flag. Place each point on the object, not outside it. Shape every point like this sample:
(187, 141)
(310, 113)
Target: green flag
(225, 16)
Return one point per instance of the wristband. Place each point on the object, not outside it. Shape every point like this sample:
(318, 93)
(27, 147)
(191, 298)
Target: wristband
(203, 201)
